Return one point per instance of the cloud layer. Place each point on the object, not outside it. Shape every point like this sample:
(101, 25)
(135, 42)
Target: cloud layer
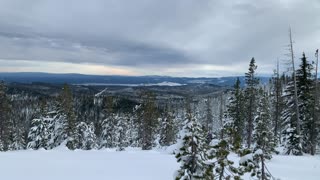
(178, 38)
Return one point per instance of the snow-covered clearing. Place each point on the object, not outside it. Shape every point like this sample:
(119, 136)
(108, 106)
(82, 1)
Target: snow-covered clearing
(133, 164)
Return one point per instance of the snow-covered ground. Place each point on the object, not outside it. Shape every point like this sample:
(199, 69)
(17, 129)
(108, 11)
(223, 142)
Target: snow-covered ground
(165, 83)
(62, 164)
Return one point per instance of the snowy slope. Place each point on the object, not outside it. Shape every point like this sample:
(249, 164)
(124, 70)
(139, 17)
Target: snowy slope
(86, 165)
(134, 165)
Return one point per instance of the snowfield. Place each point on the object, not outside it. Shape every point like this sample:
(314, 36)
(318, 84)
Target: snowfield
(61, 164)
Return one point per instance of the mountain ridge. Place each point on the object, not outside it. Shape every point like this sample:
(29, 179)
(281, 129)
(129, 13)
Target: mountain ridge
(75, 78)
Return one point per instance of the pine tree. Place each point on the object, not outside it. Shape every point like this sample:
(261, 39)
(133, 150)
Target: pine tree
(263, 132)
(253, 163)
(277, 102)
(122, 133)
(134, 127)
(149, 119)
(108, 126)
(291, 137)
(208, 115)
(91, 138)
(315, 128)
(39, 134)
(234, 127)
(223, 167)
(192, 154)
(305, 94)
(67, 110)
(296, 142)
(6, 124)
(19, 142)
(263, 137)
(56, 128)
(296, 128)
(168, 129)
(85, 136)
(250, 95)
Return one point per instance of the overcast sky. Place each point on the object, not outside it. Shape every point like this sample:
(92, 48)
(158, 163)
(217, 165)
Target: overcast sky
(148, 37)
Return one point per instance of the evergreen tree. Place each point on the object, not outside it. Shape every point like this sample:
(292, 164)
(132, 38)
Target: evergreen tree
(223, 167)
(208, 115)
(263, 137)
(192, 154)
(134, 127)
(234, 127)
(6, 124)
(306, 102)
(168, 129)
(253, 163)
(277, 103)
(315, 128)
(19, 142)
(39, 134)
(91, 138)
(294, 142)
(122, 132)
(263, 131)
(149, 118)
(250, 95)
(67, 110)
(56, 129)
(108, 126)
(86, 137)
(291, 138)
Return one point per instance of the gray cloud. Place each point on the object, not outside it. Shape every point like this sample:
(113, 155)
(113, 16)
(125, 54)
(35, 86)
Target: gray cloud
(166, 34)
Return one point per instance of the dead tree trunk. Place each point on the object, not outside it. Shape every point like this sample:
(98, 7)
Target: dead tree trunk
(295, 88)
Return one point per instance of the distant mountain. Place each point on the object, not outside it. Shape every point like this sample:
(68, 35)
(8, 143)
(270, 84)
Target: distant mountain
(34, 77)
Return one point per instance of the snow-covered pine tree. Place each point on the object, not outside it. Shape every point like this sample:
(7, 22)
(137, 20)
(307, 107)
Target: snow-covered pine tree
(192, 152)
(149, 120)
(250, 163)
(306, 102)
(208, 115)
(62, 125)
(277, 102)
(263, 137)
(6, 124)
(56, 128)
(39, 133)
(316, 110)
(133, 130)
(222, 166)
(108, 127)
(85, 136)
(67, 112)
(291, 138)
(234, 127)
(251, 102)
(122, 132)
(263, 131)
(168, 128)
(91, 138)
(19, 142)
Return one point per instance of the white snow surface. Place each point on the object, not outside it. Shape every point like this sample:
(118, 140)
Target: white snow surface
(100, 93)
(133, 164)
(165, 83)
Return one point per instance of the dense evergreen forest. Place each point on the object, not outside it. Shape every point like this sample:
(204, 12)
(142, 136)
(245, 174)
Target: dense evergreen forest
(253, 120)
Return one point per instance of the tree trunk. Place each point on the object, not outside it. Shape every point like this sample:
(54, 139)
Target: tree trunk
(263, 173)
(315, 117)
(295, 88)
